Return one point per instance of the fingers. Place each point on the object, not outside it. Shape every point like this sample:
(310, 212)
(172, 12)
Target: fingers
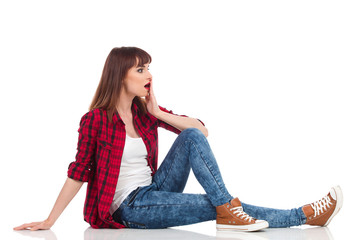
(26, 225)
(152, 89)
(152, 95)
(37, 227)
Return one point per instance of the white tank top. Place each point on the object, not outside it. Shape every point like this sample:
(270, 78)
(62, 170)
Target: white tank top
(134, 171)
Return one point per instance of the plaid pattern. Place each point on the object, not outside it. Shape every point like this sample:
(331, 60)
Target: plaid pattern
(99, 151)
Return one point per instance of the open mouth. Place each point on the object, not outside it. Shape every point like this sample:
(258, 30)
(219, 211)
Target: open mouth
(147, 86)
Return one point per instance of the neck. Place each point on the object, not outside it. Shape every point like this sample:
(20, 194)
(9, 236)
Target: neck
(124, 105)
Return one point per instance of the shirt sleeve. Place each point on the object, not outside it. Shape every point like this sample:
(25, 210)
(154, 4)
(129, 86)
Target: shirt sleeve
(168, 126)
(81, 168)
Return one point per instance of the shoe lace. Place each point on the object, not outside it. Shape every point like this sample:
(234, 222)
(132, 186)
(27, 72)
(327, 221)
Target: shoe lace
(240, 213)
(321, 205)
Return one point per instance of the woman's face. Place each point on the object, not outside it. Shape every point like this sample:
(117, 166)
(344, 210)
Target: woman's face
(137, 80)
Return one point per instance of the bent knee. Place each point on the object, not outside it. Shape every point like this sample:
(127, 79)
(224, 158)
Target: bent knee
(192, 132)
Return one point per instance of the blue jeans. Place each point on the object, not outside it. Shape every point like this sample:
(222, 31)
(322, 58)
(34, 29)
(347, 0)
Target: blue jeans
(163, 203)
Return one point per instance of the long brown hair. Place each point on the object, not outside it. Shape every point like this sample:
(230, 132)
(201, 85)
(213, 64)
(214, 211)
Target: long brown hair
(117, 64)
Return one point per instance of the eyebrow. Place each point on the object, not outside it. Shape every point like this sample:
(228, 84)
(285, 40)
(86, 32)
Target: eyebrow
(141, 65)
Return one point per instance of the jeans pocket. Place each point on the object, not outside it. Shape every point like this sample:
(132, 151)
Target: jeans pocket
(135, 225)
(132, 196)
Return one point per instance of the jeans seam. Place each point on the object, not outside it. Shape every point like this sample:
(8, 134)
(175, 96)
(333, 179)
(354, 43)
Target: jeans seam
(168, 205)
(167, 174)
(206, 164)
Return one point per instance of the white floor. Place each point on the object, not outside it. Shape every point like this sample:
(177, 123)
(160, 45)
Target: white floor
(174, 233)
(338, 229)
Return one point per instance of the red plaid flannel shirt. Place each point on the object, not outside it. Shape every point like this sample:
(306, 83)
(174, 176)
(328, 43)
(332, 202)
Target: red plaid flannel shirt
(98, 159)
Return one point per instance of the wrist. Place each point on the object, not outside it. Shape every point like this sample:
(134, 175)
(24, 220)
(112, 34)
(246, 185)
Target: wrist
(49, 221)
(158, 114)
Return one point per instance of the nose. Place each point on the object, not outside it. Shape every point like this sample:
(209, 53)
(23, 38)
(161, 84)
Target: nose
(149, 76)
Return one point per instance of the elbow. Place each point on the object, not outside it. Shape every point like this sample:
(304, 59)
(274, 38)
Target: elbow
(205, 131)
(202, 128)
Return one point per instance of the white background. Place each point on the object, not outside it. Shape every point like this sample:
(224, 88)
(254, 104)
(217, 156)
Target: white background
(275, 82)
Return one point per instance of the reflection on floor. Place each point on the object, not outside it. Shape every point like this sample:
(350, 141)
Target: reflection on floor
(318, 233)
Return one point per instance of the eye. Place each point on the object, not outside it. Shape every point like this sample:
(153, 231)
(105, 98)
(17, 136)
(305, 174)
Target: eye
(140, 70)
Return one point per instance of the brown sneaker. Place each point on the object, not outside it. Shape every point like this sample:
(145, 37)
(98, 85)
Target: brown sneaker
(321, 212)
(231, 216)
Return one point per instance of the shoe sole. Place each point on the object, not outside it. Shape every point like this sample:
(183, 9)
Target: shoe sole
(339, 203)
(243, 228)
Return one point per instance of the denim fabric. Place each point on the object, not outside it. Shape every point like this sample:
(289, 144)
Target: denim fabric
(276, 217)
(163, 203)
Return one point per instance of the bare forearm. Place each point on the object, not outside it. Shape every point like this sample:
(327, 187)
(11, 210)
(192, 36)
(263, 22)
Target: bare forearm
(181, 123)
(67, 193)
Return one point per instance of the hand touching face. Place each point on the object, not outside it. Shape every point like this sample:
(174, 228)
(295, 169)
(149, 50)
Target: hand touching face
(151, 103)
